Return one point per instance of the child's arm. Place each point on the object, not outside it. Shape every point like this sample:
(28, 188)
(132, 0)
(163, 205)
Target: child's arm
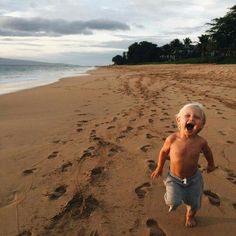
(161, 159)
(209, 157)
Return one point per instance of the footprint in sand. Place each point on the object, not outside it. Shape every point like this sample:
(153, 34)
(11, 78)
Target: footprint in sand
(221, 132)
(142, 189)
(170, 131)
(213, 198)
(82, 114)
(128, 128)
(150, 136)
(96, 172)
(174, 126)
(234, 205)
(141, 127)
(229, 141)
(65, 166)
(77, 208)
(87, 153)
(29, 171)
(58, 192)
(111, 127)
(120, 137)
(140, 114)
(83, 121)
(56, 141)
(90, 205)
(154, 229)
(231, 176)
(79, 130)
(91, 148)
(151, 165)
(114, 119)
(93, 133)
(150, 121)
(145, 148)
(113, 152)
(53, 155)
(102, 143)
(25, 233)
(233, 181)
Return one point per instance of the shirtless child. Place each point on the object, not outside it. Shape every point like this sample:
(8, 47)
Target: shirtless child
(184, 181)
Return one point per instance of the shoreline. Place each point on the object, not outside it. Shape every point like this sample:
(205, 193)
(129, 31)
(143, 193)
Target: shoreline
(73, 151)
(16, 86)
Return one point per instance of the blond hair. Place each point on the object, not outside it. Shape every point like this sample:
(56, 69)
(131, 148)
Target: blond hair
(197, 105)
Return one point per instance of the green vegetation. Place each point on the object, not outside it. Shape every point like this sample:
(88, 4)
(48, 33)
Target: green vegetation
(217, 45)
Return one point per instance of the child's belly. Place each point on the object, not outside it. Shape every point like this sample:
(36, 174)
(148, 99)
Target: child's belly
(183, 169)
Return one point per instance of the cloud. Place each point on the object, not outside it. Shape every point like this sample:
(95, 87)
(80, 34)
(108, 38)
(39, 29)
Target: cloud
(15, 26)
(184, 30)
(22, 44)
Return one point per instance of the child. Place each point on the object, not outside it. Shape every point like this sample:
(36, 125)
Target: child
(184, 181)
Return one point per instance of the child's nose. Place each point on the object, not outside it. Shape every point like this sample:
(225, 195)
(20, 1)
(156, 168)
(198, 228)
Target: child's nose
(191, 117)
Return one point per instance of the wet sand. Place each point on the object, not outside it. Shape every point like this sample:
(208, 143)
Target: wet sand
(76, 155)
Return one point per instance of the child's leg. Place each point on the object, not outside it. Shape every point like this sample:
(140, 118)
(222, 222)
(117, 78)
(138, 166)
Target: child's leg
(173, 196)
(190, 220)
(193, 200)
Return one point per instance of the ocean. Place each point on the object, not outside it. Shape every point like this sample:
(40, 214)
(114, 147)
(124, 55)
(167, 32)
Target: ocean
(18, 77)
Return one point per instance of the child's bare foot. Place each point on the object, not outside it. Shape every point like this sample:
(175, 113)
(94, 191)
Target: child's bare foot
(190, 220)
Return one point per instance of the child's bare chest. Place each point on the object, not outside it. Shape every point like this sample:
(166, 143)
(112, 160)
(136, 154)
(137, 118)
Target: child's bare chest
(186, 149)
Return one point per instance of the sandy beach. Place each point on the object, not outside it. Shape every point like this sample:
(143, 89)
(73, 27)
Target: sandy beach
(76, 155)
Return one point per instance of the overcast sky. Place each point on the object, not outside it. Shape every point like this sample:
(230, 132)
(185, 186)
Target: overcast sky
(91, 32)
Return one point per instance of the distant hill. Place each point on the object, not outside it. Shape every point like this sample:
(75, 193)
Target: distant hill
(15, 62)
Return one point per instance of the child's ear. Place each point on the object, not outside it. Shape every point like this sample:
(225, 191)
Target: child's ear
(178, 121)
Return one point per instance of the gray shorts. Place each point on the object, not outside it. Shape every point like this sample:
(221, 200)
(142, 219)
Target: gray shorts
(188, 191)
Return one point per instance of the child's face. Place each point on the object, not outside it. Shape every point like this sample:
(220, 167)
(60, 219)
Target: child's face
(190, 121)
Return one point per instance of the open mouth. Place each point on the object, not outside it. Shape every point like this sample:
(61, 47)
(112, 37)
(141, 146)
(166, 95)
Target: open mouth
(189, 126)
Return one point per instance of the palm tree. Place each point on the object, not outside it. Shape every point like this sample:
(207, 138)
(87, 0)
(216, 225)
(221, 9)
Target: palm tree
(166, 52)
(223, 32)
(187, 44)
(203, 41)
(176, 47)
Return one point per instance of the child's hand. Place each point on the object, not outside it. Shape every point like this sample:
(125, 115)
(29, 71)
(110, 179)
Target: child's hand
(156, 173)
(211, 168)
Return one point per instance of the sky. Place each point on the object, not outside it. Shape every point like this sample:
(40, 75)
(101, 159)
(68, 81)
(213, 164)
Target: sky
(91, 32)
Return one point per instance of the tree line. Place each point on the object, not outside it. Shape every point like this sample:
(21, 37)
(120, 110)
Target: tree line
(218, 42)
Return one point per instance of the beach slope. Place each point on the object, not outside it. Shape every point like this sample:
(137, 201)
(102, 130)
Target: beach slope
(76, 155)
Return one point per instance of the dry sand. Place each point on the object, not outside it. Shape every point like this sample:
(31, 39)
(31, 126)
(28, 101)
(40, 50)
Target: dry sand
(76, 155)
